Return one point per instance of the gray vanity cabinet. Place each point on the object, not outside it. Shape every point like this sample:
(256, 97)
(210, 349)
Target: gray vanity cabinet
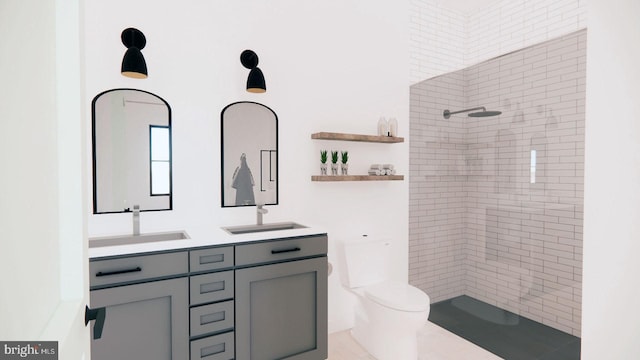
(281, 304)
(262, 300)
(146, 317)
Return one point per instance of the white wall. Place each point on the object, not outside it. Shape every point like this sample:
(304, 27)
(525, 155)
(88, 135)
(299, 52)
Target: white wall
(329, 66)
(612, 178)
(43, 252)
(29, 181)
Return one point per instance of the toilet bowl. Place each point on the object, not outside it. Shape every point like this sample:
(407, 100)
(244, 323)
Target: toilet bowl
(388, 313)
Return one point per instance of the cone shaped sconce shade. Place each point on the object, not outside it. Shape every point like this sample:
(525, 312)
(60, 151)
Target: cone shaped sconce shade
(255, 81)
(133, 64)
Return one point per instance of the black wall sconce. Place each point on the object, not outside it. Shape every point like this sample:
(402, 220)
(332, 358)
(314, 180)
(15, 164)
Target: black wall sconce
(133, 64)
(255, 81)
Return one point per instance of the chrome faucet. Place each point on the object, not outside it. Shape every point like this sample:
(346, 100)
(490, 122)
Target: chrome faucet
(136, 220)
(259, 212)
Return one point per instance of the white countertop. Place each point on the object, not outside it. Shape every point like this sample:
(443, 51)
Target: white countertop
(211, 237)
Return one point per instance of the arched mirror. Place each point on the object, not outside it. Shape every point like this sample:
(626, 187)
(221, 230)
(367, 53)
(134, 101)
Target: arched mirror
(249, 138)
(131, 152)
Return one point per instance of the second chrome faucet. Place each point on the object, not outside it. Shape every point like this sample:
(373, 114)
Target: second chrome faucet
(259, 212)
(136, 220)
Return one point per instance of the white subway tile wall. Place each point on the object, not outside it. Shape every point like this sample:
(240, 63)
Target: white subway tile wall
(496, 203)
(445, 40)
(437, 40)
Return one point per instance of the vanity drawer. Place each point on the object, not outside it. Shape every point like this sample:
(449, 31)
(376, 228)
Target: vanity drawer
(211, 287)
(208, 319)
(278, 250)
(218, 347)
(136, 268)
(211, 259)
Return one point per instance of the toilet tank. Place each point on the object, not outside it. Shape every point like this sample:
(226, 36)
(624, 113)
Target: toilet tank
(366, 261)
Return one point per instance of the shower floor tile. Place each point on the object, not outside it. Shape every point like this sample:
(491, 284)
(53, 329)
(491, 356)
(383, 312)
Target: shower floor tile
(503, 333)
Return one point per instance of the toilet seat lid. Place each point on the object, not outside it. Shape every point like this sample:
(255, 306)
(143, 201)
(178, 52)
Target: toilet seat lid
(398, 296)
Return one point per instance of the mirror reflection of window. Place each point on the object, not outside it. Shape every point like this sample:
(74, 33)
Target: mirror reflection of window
(160, 160)
(128, 166)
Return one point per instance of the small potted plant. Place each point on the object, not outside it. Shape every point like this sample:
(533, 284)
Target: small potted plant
(334, 162)
(344, 167)
(323, 162)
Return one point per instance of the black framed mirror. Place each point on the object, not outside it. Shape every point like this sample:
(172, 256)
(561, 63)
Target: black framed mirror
(249, 142)
(132, 162)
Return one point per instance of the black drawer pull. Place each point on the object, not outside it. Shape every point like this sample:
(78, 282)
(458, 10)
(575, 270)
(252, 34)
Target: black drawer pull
(118, 272)
(285, 250)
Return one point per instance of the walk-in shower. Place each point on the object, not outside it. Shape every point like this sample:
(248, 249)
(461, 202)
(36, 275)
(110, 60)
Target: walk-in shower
(484, 113)
(496, 204)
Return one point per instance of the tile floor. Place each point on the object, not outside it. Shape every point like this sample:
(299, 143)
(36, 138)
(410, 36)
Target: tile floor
(434, 343)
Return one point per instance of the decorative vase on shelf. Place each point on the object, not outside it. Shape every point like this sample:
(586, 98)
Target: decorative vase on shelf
(383, 127)
(334, 163)
(393, 127)
(323, 162)
(344, 166)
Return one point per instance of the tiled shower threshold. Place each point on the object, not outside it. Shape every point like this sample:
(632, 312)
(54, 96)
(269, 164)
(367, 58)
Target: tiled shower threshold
(503, 333)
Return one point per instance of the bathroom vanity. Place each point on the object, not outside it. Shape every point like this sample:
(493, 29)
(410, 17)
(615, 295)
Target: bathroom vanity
(255, 292)
(254, 299)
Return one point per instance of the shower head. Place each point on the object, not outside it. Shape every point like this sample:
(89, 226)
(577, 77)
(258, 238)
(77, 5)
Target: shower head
(484, 113)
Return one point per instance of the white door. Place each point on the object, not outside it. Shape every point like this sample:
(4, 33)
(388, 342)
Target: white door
(43, 202)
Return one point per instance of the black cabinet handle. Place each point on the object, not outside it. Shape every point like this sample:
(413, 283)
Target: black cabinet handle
(98, 315)
(118, 272)
(285, 250)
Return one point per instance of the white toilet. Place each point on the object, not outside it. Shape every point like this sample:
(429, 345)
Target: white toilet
(388, 314)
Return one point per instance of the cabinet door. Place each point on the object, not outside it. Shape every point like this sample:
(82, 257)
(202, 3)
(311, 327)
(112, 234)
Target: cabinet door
(143, 321)
(281, 311)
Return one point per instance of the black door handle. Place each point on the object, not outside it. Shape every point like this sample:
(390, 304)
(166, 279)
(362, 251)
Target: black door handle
(98, 315)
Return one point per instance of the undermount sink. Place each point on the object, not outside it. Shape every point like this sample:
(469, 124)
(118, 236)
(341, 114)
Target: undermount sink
(247, 229)
(137, 239)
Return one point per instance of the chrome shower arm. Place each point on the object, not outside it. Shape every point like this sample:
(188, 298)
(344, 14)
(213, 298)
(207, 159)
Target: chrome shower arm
(448, 113)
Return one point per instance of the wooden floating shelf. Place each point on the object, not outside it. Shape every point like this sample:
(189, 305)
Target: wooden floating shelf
(356, 177)
(356, 137)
